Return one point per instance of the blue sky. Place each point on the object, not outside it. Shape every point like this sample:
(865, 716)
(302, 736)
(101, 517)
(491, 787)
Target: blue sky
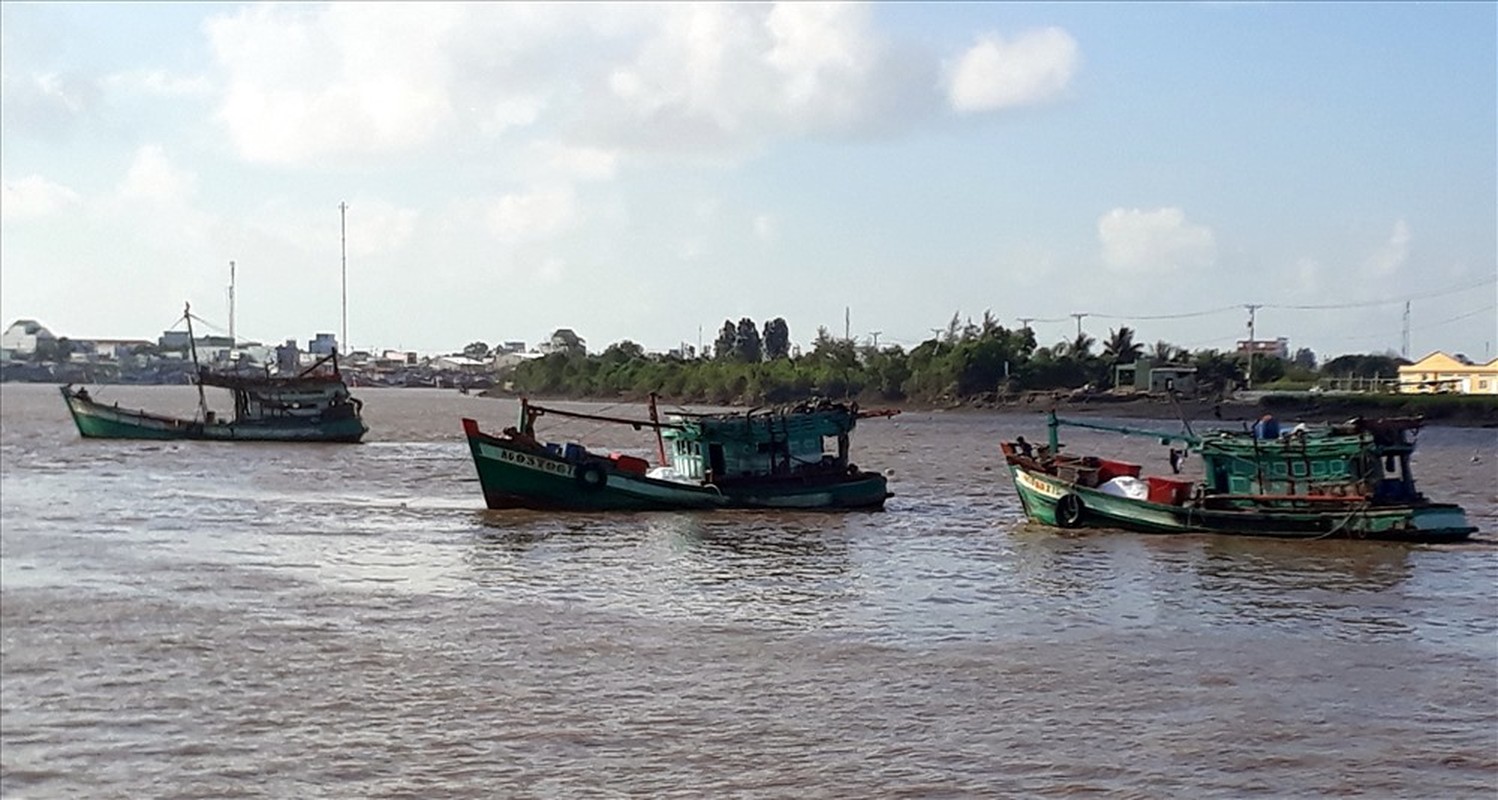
(645, 171)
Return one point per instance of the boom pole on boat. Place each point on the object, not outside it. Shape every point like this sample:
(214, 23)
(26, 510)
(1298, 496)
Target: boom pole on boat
(1053, 424)
(192, 345)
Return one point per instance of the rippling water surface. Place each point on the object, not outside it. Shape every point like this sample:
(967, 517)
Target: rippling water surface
(244, 620)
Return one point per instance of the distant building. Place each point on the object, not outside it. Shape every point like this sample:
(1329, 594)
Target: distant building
(564, 340)
(400, 357)
(21, 338)
(459, 363)
(1439, 372)
(322, 344)
(179, 341)
(1278, 348)
(510, 347)
(1146, 376)
(115, 349)
(288, 357)
(503, 360)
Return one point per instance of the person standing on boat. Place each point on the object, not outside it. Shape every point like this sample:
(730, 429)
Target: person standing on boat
(1267, 427)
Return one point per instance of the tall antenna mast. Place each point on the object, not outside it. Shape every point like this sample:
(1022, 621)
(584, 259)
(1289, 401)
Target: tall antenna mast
(343, 241)
(1404, 349)
(233, 341)
(1252, 307)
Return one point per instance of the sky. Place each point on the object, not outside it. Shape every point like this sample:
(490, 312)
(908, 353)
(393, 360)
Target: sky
(645, 172)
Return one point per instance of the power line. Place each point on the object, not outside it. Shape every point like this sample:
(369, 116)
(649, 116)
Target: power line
(1277, 306)
(1386, 302)
(1186, 315)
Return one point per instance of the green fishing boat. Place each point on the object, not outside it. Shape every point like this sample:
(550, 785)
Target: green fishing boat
(313, 405)
(1349, 480)
(793, 457)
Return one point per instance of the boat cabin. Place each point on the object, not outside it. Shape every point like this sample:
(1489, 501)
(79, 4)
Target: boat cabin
(759, 444)
(1355, 459)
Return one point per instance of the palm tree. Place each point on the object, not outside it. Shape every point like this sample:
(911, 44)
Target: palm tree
(1121, 347)
(1164, 352)
(1081, 347)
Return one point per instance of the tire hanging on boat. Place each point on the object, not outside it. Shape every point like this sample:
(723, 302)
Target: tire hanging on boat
(591, 475)
(1069, 511)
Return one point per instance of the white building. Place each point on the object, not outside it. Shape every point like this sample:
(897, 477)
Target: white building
(21, 338)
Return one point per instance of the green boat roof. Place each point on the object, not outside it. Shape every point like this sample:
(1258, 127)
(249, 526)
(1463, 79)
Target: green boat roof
(800, 422)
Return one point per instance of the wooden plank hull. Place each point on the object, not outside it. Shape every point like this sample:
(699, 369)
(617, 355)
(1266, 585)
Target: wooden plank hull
(513, 476)
(99, 421)
(1053, 501)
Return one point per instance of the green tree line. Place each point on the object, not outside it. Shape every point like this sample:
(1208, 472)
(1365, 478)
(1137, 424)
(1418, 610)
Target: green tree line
(753, 364)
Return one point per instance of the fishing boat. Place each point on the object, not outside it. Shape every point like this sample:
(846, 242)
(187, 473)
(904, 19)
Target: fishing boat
(789, 457)
(1347, 480)
(314, 405)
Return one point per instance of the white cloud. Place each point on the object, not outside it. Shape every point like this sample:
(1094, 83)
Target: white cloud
(34, 196)
(580, 163)
(765, 228)
(303, 83)
(538, 214)
(155, 179)
(1394, 253)
(1136, 241)
(376, 227)
(824, 53)
(46, 104)
(306, 82)
(161, 82)
(996, 73)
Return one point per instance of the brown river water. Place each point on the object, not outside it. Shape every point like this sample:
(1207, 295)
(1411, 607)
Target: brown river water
(256, 620)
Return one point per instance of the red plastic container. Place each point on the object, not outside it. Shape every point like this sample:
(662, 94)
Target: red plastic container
(1168, 490)
(630, 464)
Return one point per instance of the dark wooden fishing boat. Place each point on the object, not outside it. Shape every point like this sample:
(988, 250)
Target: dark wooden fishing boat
(313, 405)
(1349, 480)
(793, 457)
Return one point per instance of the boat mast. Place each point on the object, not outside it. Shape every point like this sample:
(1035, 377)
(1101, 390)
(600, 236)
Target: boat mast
(233, 341)
(192, 345)
(655, 421)
(343, 242)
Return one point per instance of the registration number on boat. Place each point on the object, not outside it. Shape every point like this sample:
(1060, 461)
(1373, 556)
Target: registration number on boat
(529, 461)
(1039, 487)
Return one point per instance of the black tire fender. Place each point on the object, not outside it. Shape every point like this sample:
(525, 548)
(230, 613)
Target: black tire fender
(591, 475)
(1069, 511)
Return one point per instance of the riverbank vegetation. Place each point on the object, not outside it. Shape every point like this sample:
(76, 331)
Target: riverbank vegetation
(969, 362)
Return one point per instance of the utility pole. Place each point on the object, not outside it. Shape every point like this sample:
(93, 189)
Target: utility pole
(1252, 307)
(1404, 349)
(343, 240)
(875, 334)
(847, 324)
(1025, 322)
(1079, 323)
(231, 303)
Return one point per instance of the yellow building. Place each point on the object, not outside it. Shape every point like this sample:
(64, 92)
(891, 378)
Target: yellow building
(1439, 372)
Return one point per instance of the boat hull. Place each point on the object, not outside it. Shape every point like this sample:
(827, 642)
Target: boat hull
(513, 476)
(1052, 501)
(99, 421)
